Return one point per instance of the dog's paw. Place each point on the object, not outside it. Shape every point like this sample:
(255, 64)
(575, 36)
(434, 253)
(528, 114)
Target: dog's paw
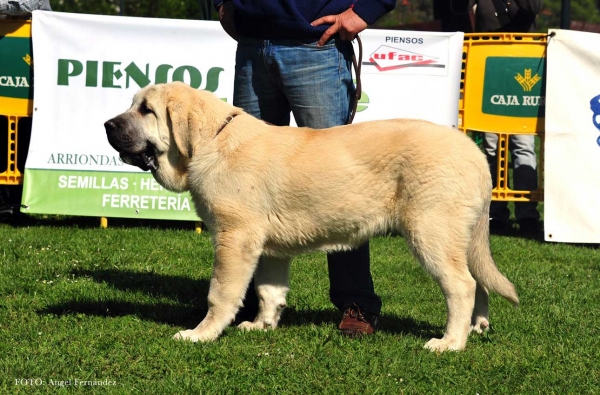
(480, 326)
(195, 336)
(441, 345)
(253, 326)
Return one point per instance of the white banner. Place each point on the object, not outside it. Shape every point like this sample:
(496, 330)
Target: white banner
(88, 67)
(572, 149)
(412, 75)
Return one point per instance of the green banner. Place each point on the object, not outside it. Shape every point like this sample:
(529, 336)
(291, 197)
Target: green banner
(514, 87)
(103, 194)
(16, 68)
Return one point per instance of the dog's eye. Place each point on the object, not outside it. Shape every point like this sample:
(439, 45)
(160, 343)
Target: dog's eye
(144, 109)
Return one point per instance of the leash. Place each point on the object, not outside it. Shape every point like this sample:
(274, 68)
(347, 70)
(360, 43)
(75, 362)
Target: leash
(356, 64)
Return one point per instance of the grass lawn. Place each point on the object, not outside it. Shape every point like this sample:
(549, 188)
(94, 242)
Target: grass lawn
(79, 303)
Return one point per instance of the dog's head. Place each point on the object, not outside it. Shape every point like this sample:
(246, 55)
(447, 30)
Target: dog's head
(162, 129)
(135, 134)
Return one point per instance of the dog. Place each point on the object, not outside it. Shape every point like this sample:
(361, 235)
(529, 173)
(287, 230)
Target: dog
(273, 192)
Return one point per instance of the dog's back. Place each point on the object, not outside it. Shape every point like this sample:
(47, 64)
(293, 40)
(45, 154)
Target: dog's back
(340, 186)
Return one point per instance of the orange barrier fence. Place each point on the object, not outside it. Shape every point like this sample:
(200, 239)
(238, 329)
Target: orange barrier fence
(16, 98)
(503, 91)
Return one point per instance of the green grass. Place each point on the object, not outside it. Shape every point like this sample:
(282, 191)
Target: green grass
(83, 303)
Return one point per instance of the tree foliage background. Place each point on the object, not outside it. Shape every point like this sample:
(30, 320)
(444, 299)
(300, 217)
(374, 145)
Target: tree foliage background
(581, 10)
(176, 9)
(406, 12)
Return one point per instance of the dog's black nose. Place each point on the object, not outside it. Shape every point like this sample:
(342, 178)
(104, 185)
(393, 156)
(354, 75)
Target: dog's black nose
(110, 126)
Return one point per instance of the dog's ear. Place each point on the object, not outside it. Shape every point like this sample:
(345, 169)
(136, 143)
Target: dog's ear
(181, 127)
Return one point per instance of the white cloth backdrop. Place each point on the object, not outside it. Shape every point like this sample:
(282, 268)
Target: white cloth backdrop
(572, 179)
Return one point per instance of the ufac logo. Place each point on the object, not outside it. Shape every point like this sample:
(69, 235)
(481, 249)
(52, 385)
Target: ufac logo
(595, 107)
(387, 58)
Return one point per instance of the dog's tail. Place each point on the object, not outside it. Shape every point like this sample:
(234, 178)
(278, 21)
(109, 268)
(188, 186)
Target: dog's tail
(482, 266)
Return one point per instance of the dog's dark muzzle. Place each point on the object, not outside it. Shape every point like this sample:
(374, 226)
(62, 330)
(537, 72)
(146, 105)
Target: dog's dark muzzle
(134, 149)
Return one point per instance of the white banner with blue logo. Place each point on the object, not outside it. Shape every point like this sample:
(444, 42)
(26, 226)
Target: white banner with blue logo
(572, 177)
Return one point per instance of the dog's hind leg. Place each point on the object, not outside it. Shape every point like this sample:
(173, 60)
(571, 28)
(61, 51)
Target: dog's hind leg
(236, 258)
(485, 272)
(272, 284)
(480, 253)
(458, 288)
(479, 319)
(442, 252)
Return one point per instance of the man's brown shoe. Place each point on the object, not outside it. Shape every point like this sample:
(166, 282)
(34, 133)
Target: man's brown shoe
(358, 322)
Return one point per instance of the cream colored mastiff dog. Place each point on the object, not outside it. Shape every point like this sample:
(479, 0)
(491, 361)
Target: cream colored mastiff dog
(274, 192)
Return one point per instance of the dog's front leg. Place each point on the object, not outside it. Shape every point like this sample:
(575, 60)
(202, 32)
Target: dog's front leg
(272, 284)
(236, 258)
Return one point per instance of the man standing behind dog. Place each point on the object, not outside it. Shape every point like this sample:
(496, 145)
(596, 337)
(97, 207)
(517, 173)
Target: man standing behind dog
(519, 17)
(295, 56)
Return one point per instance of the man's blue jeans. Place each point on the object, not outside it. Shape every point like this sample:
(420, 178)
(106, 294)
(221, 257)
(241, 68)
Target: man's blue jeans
(274, 78)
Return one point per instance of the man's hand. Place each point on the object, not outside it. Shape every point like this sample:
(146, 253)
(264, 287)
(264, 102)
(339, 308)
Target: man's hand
(347, 25)
(226, 13)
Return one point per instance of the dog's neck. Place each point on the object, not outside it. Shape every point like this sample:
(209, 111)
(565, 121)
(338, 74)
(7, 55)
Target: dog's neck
(228, 120)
